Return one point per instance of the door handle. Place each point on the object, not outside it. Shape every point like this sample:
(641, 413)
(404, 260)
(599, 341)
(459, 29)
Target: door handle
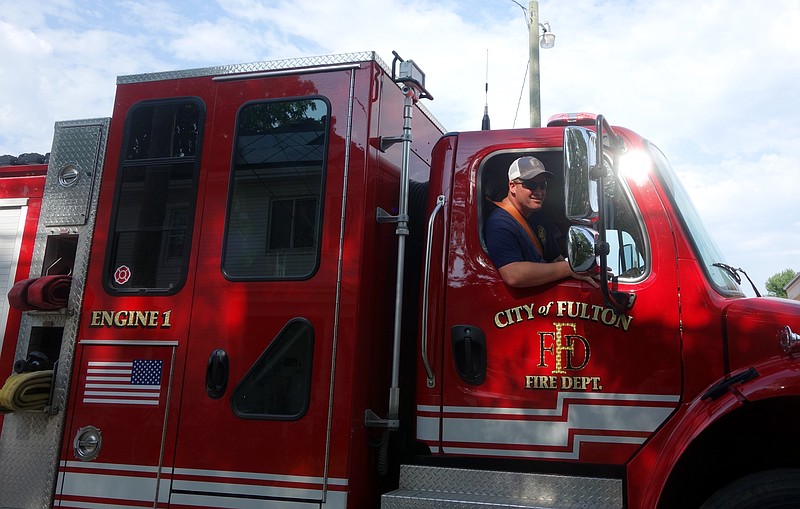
(431, 378)
(469, 353)
(217, 373)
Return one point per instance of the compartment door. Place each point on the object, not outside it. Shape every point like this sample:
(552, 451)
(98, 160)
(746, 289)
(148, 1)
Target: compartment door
(255, 410)
(124, 392)
(13, 212)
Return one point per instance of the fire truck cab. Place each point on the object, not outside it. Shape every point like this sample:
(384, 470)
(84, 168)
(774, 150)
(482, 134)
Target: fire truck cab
(280, 295)
(660, 389)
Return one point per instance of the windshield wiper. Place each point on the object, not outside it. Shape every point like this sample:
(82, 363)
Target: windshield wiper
(735, 275)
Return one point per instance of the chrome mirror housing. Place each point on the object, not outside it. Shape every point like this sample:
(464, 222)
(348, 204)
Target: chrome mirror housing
(580, 191)
(581, 249)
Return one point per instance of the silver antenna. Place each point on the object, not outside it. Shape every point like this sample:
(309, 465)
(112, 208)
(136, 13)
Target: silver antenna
(485, 123)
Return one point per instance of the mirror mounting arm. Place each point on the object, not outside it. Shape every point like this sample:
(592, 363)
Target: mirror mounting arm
(620, 302)
(598, 171)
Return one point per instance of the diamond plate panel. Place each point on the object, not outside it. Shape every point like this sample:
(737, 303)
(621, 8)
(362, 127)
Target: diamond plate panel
(450, 488)
(414, 499)
(267, 65)
(30, 442)
(68, 202)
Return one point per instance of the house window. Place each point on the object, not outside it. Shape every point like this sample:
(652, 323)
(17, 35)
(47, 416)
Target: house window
(293, 223)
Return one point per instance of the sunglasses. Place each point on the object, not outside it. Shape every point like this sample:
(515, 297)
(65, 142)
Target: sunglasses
(531, 185)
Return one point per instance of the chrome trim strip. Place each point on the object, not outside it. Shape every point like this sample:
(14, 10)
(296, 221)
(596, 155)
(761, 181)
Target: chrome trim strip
(127, 342)
(339, 269)
(286, 72)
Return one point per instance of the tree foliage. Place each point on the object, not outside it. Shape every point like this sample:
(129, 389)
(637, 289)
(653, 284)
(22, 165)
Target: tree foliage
(292, 116)
(776, 282)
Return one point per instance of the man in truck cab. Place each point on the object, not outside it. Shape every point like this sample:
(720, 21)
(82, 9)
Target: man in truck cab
(519, 237)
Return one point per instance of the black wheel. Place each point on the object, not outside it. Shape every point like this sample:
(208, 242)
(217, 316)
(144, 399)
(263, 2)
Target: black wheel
(771, 489)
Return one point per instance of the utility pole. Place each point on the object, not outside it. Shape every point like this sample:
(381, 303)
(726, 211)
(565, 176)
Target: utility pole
(533, 78)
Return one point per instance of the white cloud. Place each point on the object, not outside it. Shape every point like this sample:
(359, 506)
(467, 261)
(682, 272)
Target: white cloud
(709, 81)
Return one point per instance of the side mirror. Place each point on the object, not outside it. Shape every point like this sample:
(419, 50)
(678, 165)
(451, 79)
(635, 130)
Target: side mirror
(580, 191)
(585, 174)
(582, 249)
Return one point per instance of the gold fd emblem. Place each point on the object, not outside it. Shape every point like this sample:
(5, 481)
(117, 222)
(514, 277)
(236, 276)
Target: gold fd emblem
(565, 352)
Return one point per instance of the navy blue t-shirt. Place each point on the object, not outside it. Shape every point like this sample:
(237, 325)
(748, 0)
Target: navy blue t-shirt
(508, 242)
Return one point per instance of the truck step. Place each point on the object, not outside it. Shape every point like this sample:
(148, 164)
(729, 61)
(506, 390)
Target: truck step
(457, 488)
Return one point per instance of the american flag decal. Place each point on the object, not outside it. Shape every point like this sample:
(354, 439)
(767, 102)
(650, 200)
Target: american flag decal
(137, 382)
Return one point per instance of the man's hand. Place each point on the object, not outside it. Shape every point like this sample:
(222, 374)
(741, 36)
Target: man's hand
(592, 280)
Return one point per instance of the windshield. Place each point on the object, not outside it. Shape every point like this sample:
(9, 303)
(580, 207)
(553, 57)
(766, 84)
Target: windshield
(707, 252)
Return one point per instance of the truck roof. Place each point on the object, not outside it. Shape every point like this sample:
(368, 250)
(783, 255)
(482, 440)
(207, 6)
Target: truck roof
(275, 67)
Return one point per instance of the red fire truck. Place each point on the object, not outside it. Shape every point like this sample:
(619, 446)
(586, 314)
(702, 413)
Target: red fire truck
(21, 191)
(279, 295)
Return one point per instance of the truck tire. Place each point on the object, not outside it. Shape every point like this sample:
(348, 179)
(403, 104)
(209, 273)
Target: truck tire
(770, 489)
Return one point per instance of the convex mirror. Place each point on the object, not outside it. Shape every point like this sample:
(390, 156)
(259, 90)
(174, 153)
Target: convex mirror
(582, 250)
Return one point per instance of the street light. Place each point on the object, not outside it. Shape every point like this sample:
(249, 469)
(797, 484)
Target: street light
(547, 40)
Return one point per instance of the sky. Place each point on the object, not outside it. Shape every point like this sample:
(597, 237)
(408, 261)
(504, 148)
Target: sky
(713, 83)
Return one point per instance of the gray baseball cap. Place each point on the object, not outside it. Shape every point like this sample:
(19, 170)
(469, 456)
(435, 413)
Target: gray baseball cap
(526, 168)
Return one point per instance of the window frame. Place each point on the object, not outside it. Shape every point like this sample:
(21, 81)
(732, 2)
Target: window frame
(257, 369)
(294, 196)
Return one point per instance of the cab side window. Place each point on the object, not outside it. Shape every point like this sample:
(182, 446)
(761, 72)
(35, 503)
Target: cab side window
(493, 186)
(628, 253)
